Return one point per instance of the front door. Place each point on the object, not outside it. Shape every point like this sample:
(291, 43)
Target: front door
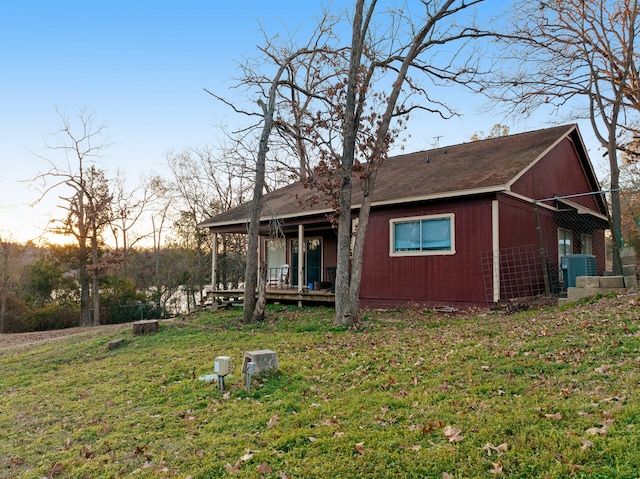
(312, 261)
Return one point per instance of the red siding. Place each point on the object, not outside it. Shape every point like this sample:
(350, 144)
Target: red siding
(428, 280)
(559, 173)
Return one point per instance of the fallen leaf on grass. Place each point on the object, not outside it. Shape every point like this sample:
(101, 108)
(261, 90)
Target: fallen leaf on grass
(359, 447)
(264, 469)
(446, 475)
(417, 447)
(500, 449)
(55, 469)
(274, 419)
(453, 434)
(234, 468)
(284, 476)
(586, 444)
(497, 468)
(431, 426)
(604, 369)
(312, 439)
(557, 416)
(602, 431)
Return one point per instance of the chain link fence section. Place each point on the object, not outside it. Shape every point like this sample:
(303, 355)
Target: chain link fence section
(564, 225)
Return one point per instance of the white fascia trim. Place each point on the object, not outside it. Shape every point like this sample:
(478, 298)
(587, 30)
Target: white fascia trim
(397, 201)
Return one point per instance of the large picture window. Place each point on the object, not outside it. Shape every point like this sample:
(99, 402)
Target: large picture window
(428, 235)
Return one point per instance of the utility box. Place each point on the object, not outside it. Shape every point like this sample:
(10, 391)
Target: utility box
(264, 360)
(574, 265)
(222, 365)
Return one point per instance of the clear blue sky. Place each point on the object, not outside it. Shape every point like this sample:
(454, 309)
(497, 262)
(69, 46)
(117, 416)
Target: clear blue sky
(140, 67)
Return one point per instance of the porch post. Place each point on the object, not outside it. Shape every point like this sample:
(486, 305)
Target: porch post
(300, 257)
(214, 261)
(495, 240)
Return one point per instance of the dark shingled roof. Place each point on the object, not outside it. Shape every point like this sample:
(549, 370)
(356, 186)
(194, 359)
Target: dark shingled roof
(485, 165)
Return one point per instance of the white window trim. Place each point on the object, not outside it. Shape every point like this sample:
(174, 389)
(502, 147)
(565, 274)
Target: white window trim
(408, 219)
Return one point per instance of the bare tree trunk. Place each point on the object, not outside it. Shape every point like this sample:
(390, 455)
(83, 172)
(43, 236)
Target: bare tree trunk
(96, 286)
(258, 313)
(616, 215)
(344, 312)
(85, 300)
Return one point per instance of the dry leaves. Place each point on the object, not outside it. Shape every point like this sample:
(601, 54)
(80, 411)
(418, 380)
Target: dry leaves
(236, 466)
(274, 419)
(264, 469)
(497, 468)
(453, 434)
(500, 449)
(359, 447)
(586, 444)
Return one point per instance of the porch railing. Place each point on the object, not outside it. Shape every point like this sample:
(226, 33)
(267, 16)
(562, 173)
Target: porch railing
(314, 278)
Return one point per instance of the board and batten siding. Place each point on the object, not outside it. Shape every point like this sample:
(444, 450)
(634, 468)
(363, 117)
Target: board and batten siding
(430, 280)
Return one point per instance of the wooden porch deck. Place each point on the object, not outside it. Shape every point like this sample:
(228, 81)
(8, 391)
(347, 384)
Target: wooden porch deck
(236, 296)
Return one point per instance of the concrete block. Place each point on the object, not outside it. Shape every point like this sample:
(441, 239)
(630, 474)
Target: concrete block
(628, 260)
(115, 343)
(627, 252)
(574, 294)
(631, 281)
(629, 270)
(588, 282)
(563, 301)
(264, 359)
(612, 281)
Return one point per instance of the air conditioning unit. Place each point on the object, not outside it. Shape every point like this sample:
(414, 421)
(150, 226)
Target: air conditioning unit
(574, 265)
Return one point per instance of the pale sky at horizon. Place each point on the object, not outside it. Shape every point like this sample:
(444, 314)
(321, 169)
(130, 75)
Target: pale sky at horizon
(140, 67)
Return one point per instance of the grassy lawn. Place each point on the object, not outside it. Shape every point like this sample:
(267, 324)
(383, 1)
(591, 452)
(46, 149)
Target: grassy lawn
(550, 393)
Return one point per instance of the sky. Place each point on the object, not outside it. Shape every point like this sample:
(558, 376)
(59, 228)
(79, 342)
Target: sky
(140, 68)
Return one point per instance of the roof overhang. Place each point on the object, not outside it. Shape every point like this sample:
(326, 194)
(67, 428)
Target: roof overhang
(326, 211)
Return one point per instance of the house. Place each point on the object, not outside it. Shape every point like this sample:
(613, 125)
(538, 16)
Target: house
(470, 224)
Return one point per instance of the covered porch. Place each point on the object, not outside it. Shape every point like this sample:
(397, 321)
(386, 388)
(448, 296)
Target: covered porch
(300, 260)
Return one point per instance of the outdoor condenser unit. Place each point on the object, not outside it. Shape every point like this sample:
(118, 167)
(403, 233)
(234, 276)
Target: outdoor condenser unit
(574, 265)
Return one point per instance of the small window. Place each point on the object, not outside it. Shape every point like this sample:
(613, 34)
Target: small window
(586, 244)
(429, 235)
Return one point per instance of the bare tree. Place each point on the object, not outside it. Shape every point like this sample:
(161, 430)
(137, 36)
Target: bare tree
(87, 207)
(580, 53)
(273, 90)
(130, 207)
(391, 52)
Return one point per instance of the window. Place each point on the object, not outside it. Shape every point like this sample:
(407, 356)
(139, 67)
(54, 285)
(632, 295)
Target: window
(586, 241)
(428, 235)
(565, 246)
(565, 240)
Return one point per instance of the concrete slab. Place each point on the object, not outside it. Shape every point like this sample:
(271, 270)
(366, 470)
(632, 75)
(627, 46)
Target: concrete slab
(631, 281)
